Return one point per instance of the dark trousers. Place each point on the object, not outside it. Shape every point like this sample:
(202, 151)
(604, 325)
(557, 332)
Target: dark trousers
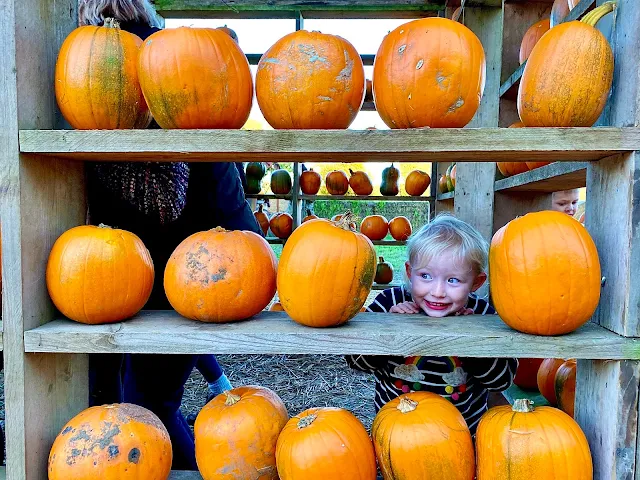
(208, 366)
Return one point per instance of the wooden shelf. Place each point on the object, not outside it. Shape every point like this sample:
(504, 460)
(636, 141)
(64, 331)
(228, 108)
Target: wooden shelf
(446, 196)
(368, 107)
(268, 196)
(550, 178)
(413, 145)
(367, 333)
(377, 286)
(368, 198)
(389, 242)
(184, 475)
(514, 392)
(275, 241)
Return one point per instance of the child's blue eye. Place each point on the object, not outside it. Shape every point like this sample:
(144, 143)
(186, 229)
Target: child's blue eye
(454, 280)
(426, 276)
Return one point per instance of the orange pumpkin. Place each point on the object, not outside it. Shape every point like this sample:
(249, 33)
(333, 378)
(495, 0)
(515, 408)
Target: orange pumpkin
(221, 276)
(262, 218)
(565, 386)
(120, 441)
(213, 89)
(559, 11)
(327, 257)
(546, 378)
(236, 434)
(384, 272)
(325, 443)
(568, 76)
(360, 183)
(429, 73)
(413, 435)
(310, 80)
(281, 225)
(417, 183)
(513, 168)
(99, 274)
(523, 443)
(544, 273)
(534, 165)
(276, 307)
(337, 182)
(96, 79)
(310, 182)
(531, 37)
(452, 175)
(400, 228)
(375, 227)
(310, 216)
(442, 184)
(527, 373)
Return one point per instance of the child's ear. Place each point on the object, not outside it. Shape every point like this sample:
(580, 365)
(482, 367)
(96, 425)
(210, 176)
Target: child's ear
(479, 281)
(407, 267)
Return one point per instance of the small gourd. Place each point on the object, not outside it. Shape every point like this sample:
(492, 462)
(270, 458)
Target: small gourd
(255, 172)
(384, 272)
(389, 185)
(281, 182)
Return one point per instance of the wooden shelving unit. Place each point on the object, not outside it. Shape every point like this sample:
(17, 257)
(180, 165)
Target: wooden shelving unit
(550, 178)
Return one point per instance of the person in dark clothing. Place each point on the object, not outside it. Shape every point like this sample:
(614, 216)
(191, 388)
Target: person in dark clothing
(162, 203)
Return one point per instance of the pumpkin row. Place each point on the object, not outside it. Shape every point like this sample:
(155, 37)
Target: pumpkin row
(336, 181)
(428, 72)
(417, 435)
(544, 274)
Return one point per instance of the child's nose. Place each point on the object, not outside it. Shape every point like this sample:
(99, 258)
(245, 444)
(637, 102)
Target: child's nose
(439, 290)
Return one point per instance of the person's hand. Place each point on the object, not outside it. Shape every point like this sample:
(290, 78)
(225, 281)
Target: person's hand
(464, 311)
(405, 307)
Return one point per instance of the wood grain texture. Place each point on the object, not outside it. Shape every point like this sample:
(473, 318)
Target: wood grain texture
(465, 144)
(367, 333)
(509, 205)
(550, 178)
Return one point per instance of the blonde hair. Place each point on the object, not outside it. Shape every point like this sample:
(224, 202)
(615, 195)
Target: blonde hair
(93, 12)
(448, 232)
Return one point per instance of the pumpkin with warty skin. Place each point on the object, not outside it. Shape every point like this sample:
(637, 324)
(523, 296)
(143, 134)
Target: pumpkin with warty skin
(429, 73)
(546, 378)
(99, 274)
(568, 75)
(112, 442)
(527, 373)
(281, 182)
(337, 182)
(389, 184)
(531, 37)
(400, 228)
(236, 434)
(521, 442)
(360, 183)
(195, 78)
(544, 273)
(327, 257)
(262, 218)
(281, 225)
(565, 386)
(417, 183)
(255, 172)
(221, 276)
(559, 11)
(513, 168)
(375, 227)
(310, 182)
(384, 272)
(423, 436)
(96, 79)
(325, 443)
(310, 80)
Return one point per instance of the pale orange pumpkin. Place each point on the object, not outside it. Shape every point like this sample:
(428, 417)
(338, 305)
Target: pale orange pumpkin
(375, 227)
(559, 11)
(524, 443)
(531, 37)
(221, 276)
(565, 386)
(262, 218)
(413, 436)
(417, 183)
(96, 79)
(310, 182)
(99, 274)
(544, 273)
(310, 80)
(325, 443)
(513, 168)
(360, 183)
(429, 73)
(400, 228)
(281, 225)
(195, 78)
(112, 442)
(236, 434)
(527, 373)
(546, 378)
(337, 182)
(328, 259)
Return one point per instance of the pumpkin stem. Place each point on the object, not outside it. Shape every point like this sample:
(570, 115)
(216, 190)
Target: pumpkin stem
(102, 225)
(232, 398)
(596, 14)
(522, 405)
(219, 229)
(260, 208)
(345, 221)
(306, 421)
(111, 23)
(380, 260)
(407, 405)
(351, 172)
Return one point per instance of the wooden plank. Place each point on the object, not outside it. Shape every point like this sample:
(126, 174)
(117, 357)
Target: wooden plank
(378, 286)
(268, 196)
(367, 198)
(184, 475)
(509, 205)
(389, 242)
(607, 410)
(464, 144)
(550, 178)
(442, 197)
(296, 203)
(367, 333)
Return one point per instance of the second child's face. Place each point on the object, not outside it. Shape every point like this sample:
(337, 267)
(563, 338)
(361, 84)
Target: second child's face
(441, 288)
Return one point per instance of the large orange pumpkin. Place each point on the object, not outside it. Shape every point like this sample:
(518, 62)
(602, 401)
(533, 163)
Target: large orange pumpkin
(337, 182)
(544, 273)
(310, 80)
(523, 443)
(360, 183)
(568, 76)
(527, 373)
(310, 182)
(195, 78)
(236, 434)
(112, 442)
(559, 11)
(262, 218)
(400, 228)
(281, 225)
(221, 276)
(330, 260)
(531, 37)
(429, 73)
(422, 435)
(99, 274)
(546, 378)
(417, 183)
(375, 227)
(565, 386)
(513, 168)
(96, 79)
(325, 443)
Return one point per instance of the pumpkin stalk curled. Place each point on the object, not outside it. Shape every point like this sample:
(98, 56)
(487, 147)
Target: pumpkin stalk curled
(346, 221)
(596, 14)
(232, 399)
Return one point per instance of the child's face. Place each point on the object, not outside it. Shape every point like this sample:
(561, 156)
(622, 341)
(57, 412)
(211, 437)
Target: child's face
(442, 287)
